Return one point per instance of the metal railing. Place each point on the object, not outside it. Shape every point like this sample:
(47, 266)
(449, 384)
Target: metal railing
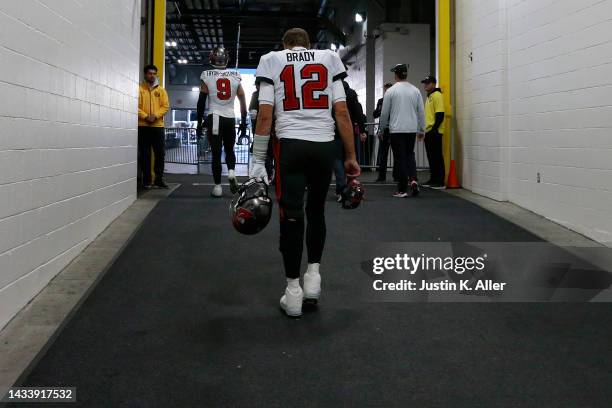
(181, 146)
(368, 151)
(184, 147)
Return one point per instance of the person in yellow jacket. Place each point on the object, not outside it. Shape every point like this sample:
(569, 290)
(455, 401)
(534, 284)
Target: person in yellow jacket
(434, 131)
(152, 106)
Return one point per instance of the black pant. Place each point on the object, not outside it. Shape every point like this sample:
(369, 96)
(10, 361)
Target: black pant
(433, 146)
(403, 153)
(151, 137)
(225, 139)
(302, 165)
(383, 157)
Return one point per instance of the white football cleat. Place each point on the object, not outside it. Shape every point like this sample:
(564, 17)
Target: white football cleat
(312, 284)
(217, 191)
(291, 301)
(233, 182)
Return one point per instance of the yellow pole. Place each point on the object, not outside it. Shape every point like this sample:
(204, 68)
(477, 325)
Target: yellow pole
(444, 73)
(159, 38)
(159, 51)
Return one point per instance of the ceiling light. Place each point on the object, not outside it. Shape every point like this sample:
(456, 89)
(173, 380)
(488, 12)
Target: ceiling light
(173, 43)
(195, 89)
(358, 18)
(168, 43)
(333, 47)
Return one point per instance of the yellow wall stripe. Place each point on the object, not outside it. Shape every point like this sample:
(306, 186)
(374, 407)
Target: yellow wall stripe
(444, 73)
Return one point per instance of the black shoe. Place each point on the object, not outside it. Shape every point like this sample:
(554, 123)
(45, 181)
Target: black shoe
(414, 188)
(161, 184)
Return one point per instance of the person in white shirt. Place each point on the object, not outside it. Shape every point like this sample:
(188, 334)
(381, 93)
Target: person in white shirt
(404, 114)
(303, 87)
(221, 86)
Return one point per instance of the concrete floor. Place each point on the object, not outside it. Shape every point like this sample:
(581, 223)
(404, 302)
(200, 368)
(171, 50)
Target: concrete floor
(26, 336)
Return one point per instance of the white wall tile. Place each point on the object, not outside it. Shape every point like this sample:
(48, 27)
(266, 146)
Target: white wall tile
(551, 85)
(67, 160)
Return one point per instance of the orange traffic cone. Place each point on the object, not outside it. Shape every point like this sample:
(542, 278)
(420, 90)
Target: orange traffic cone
(452, 181)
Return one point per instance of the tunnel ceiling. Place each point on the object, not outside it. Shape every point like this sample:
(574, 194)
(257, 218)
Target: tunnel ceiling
(197, 26)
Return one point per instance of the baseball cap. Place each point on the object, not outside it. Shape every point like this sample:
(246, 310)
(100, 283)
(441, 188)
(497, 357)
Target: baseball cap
(429, 79)
(401, 68)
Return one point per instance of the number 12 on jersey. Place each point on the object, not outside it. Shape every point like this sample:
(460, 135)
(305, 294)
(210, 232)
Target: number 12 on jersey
(316, 76)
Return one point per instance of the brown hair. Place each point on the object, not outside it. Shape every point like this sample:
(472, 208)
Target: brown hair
(296, 37)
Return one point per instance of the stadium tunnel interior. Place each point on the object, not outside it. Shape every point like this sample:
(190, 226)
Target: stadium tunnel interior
(125, 279)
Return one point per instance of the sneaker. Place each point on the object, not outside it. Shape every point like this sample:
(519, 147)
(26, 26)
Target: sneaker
(438, 186)
(217, 191)
(312, 287)
(428, 183)
(291, 302)
(161, 184)
(400, 195)
(414, 188)
(233, 182)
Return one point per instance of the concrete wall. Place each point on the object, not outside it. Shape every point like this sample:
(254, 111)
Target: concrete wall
(68, 106)
(533, 107)
(403, 44)
(411, 46)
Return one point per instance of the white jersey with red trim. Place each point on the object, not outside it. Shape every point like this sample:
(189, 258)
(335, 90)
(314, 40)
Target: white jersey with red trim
(306, 85)
(222, 87)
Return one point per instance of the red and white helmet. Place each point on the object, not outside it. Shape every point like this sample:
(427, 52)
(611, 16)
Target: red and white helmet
(352, 195)
(251, 207)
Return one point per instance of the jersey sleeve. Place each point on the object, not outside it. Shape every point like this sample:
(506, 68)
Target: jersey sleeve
(337, 67)
(266, 93)
(338, 93)
(264, 72)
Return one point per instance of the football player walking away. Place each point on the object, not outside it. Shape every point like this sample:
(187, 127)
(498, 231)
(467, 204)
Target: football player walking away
(221, 86)
(403, 112)
(303, 87)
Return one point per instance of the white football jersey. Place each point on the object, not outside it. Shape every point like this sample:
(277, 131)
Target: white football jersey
(222, 89)
(306, 85)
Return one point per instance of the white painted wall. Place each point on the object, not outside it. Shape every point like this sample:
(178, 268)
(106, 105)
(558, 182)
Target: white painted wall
(68, 106)
(411, 46)
(536, 99)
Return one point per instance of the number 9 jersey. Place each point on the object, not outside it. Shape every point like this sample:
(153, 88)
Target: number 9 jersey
(222, 87)
(306, 85)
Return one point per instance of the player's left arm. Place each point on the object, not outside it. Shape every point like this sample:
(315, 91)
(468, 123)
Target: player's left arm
(243, 107)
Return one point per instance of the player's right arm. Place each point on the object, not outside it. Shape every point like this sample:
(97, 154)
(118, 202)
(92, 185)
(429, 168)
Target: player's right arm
(345, 128)
(201, 107)
(343, 117)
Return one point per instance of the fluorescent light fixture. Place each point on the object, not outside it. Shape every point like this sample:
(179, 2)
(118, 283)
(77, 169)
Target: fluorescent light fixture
(358, 18)
(195, 89)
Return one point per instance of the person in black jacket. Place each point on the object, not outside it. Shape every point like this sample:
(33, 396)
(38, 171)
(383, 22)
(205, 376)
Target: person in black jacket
(385, 143)
(358, 120)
